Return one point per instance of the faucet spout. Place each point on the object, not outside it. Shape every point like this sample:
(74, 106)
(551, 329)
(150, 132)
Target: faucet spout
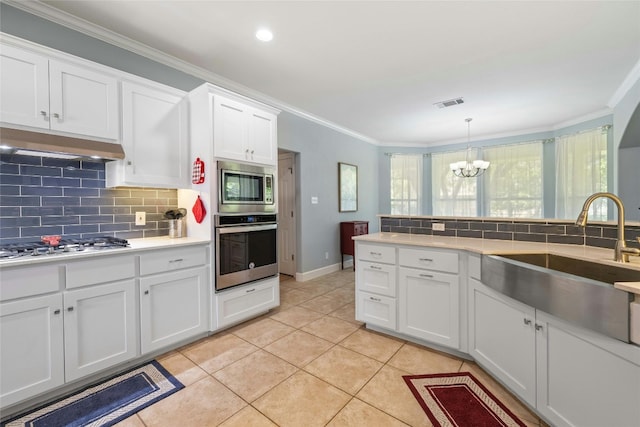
(621, 252)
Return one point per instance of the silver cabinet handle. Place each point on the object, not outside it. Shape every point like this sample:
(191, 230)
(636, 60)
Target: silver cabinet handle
(527, 321)
(427, 275)
(375, 299)
(373, 267)
(538, 327)
(70, 308)
(176, 260)
(250, 290)
(56, 115)
(425, 259)
(146, 292)
(43, 113)
(56, 311)
(376, 253)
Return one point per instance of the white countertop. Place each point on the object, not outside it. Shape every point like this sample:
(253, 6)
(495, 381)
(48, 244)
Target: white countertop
(494, 246)
(135, 245)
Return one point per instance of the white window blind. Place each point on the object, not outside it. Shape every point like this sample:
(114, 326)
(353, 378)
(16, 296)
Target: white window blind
(581, 170)
(406, 184)
(451, 195)
(513, 182)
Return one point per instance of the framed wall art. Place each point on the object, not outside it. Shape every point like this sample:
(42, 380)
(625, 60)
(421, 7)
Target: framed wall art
(348, 187)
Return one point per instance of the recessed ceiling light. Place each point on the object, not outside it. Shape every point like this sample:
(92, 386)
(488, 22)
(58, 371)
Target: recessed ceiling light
(264, 35)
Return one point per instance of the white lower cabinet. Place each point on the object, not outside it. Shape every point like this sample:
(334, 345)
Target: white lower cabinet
(376, 310)
(428, 306)
(100, 327)
(243, 302)
(572, 376)
(32, 353)
(502, 338)
(173, 307)
(584, 378)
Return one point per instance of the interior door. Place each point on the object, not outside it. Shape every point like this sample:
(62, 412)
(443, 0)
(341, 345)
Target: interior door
(287, 213)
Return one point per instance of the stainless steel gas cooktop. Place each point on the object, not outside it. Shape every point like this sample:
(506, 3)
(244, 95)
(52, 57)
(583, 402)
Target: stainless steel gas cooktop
(53, 245)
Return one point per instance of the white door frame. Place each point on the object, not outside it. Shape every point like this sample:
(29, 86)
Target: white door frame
(287, 250)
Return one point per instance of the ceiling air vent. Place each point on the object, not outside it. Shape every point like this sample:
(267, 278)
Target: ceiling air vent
(449, 103)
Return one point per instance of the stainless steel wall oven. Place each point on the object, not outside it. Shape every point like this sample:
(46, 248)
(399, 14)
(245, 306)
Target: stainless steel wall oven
(246, 249)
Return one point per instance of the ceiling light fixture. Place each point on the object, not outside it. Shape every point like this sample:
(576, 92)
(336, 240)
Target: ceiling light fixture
(264, 35)
(467, 168)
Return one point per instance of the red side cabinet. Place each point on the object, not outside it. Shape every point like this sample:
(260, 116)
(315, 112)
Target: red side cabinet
(348, 229)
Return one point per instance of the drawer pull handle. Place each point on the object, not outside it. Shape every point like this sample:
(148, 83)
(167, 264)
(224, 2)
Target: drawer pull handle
(373, 267)
(250, 290)
(56, 311)
(376, 253)
(70, 308)
(527, 321)
(426, 259)
(538, 327)
(375, 299)
(430, 276)
(176, 260)
(146, 292)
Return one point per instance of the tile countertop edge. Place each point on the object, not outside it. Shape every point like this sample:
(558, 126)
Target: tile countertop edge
(135, 245)
(495, 246)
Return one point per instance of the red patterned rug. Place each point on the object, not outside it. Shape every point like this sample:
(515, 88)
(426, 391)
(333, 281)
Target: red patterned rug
(459, 400)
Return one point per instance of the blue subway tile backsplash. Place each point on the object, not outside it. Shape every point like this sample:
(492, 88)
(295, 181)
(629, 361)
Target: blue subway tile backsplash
(42, 196)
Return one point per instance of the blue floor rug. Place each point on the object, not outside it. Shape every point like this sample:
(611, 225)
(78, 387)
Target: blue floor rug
(107, 403)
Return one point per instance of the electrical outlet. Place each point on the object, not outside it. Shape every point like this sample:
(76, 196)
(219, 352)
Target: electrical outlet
(438, 226)
(141, 218)
(314, 200)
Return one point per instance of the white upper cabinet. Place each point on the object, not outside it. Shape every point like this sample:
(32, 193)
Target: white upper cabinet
(155, 138)
(59, 96)
(242, 132)
(228, 126)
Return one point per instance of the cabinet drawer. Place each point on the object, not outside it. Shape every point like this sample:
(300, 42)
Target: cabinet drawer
(234, 306)
(377, 253)
(172, 259)
(376, 278)
(19, 282)
(432, 260)
(360, 229)
(100, 270)
(376, 310)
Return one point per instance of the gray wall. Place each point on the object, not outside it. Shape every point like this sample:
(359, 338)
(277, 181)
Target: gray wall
(626, 136)
(319, 149)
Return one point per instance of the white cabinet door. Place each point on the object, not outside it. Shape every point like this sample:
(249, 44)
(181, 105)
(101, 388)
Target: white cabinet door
(83, 101)
(51, 94)
(100, 327)
(24, 88)
(377, 310)
(262, 137)
(155, 139)
(429, 306)
(584, 378)
(31, 354)
(230, 129)
(173, 307)
(244, 302)
(502, 339)
(242, 132)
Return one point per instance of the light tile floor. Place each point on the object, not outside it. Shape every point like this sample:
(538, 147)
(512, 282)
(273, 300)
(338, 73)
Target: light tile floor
(306, 363)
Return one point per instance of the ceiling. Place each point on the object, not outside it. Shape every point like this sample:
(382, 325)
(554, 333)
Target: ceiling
(376, 68)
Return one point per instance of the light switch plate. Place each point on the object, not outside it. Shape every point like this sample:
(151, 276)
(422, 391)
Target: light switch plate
(314, 200)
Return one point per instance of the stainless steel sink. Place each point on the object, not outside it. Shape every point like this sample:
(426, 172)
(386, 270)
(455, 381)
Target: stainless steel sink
(580, 292)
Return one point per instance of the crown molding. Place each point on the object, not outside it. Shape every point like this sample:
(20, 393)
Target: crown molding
(625, 87)
(67, 20)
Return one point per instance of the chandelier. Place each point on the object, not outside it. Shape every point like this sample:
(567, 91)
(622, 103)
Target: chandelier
(468, 168)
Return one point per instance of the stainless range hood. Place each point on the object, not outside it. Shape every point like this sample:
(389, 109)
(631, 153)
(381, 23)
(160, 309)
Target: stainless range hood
(18, 140)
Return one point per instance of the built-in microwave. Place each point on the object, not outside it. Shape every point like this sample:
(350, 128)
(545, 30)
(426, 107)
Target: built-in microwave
(246, 188)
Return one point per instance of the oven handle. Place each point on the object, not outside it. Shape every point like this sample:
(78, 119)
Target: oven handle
(246, 228)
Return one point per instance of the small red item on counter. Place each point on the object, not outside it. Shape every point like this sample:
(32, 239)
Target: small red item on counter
(51, 240)
(199, 210)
